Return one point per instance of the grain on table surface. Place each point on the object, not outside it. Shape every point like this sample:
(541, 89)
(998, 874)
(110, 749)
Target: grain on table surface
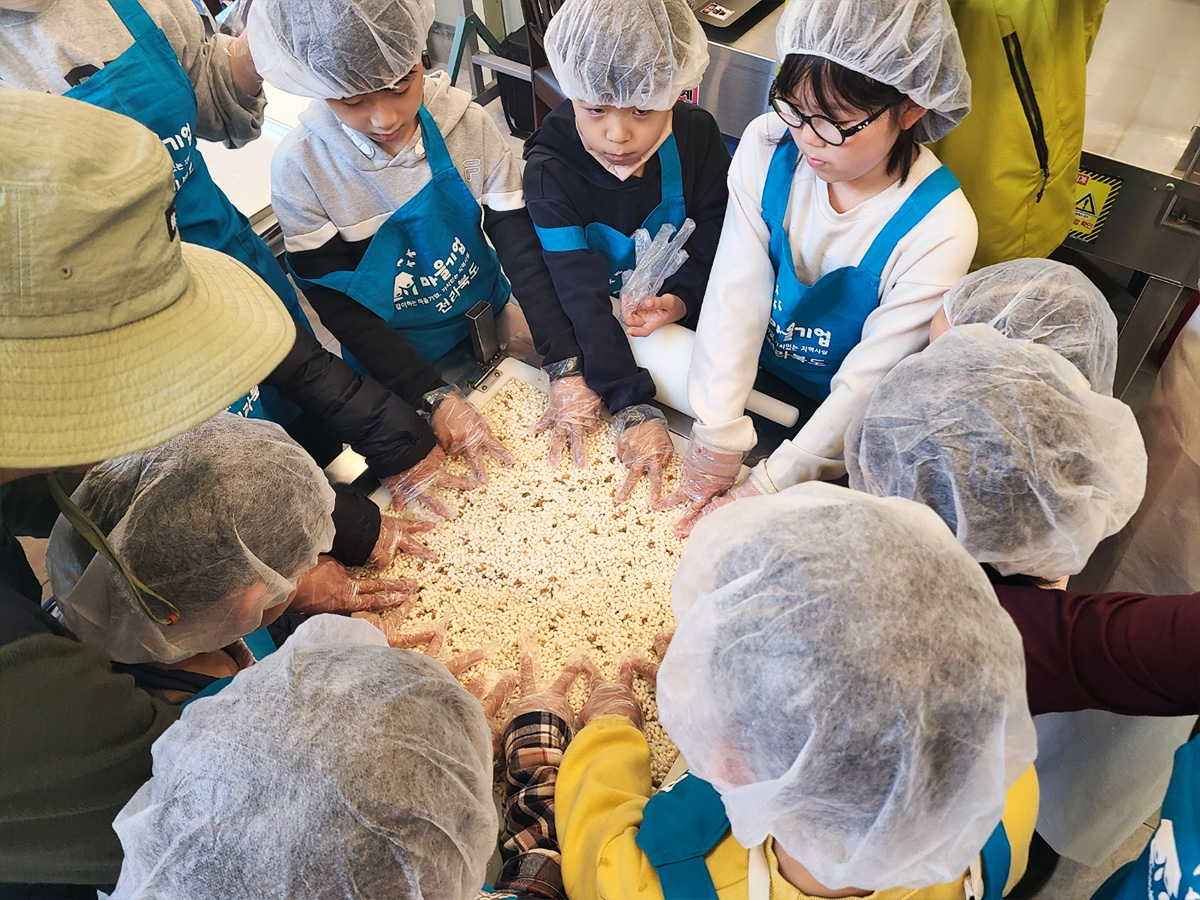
(548, 552)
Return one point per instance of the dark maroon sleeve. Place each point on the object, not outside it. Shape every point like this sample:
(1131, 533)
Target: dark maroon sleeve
(1133, 654)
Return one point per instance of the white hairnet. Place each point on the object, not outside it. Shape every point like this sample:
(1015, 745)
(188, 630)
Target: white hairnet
(626, 53)
(336, 767)
(1006, 442)
(1046, 302)
(844, 676)
(911, 45)
(333, 49)
(221, 521)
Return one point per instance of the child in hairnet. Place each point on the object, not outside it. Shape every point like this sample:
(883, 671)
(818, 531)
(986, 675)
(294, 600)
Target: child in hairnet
(337, 789)
(392, 193)
(1043, 301)
(224, 528)
(843, 234)
(850, 700)
(624, 153)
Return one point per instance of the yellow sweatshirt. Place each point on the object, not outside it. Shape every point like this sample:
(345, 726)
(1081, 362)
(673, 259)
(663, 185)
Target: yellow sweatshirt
(604, 782)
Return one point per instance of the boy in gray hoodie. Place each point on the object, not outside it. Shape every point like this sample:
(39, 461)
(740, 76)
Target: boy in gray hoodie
(394, 190)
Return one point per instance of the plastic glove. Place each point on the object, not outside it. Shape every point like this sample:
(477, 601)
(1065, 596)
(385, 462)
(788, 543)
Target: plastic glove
(328, 587)
(747, 487)
(550, 698)
(573, 410)
(653, 313)
(492, 701)
(706, 473)
(461, 430)
(616, 698)
(422, 480)
(241, 66)
(643, 446)
(394, 536)
(657, 260)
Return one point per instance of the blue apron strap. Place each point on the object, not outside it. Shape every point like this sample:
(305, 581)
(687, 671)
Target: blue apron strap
(261, 644)
(436, 153)
(562, 239)
(997, 861)
(940, 184)
(777, 189)
(136, 19)
(680, 825)
(213, 688)
(672, 170)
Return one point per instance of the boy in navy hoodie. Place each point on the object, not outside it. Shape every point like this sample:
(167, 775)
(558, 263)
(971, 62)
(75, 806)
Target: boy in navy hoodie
(621, 154)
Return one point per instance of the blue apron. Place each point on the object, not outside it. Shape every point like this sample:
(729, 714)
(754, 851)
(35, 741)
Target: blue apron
(261, 644)
(429, 263)
(1170, 864)
(686, 819)
(147, 84)
(618, 249)
(813, 328)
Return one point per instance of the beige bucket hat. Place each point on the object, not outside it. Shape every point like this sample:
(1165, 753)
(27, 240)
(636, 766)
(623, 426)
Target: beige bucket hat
(114, 335)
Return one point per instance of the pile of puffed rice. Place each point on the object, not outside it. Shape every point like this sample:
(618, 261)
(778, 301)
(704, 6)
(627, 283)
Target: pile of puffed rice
(548, 552)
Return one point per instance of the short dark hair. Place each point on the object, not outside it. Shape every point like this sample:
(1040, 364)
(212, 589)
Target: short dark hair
(834, 86)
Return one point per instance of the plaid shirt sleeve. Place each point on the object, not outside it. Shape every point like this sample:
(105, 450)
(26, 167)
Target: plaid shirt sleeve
(533, 749)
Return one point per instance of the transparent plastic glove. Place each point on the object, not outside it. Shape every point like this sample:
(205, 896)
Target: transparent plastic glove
(616, 698)
(657, 260)
(394, 537)
(241, 65)
(461, 430)
(747, 487)
(493, 701)
(706, 473)
(233, 19)
(573, 410)
(644, 447)
(327, 587)
(423, 480)
(551, 698)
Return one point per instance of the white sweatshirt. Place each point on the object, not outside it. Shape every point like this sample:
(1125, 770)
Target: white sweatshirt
(737, 304)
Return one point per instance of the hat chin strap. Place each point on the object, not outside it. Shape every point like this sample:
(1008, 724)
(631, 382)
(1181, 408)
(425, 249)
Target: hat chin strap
(92, 534)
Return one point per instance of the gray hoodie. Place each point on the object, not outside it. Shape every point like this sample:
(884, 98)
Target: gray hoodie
(57, 48)
(327, 179)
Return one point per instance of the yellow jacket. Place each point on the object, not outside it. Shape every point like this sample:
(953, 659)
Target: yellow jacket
(1017, 152)
(603, 784)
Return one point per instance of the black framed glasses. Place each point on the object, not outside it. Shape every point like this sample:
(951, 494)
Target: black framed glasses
(822, 126)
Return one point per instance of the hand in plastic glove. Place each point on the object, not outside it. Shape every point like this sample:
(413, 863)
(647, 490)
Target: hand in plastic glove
(644, 447)
(328, 587)
(550, 698)
(461, 430)
(394, 537)
(492, 701)
(423, 480)
(653, 313)
(706, 473)
(616, 698)
(241, 65)
(747, 487)
(573, 410)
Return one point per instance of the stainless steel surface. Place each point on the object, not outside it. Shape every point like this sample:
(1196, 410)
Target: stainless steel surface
(481, 327)
(1149, 314)
(740, 71)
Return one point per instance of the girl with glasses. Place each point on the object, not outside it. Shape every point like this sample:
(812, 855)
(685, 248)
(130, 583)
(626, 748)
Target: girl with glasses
(841, 237)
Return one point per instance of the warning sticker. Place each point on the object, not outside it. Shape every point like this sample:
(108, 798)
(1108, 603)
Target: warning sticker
(717, 11)
(1094, 196)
